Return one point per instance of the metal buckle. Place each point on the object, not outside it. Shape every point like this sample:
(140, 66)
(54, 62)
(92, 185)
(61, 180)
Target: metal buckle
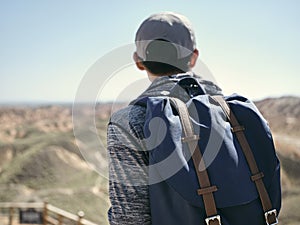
(270, 212)
(212, 218)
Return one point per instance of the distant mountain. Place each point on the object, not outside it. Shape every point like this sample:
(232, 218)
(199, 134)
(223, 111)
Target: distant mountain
(283, 114)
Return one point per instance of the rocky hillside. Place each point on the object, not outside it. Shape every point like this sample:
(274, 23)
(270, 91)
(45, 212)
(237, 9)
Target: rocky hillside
(283, 115)
(39, 160)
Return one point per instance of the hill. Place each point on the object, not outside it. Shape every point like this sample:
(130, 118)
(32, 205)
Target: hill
(283, 116)
(39, 161)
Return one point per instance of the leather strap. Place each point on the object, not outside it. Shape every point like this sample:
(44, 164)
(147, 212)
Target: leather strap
(256, 174)
(206, 190)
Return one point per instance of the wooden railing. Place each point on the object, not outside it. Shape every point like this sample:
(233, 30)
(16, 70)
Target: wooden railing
(50, 214)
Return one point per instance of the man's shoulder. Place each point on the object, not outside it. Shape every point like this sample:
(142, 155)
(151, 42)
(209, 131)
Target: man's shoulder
(210, 87)
(129, 115)
(130, 121)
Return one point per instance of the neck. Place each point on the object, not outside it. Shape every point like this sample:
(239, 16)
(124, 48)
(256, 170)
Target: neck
(152, 76)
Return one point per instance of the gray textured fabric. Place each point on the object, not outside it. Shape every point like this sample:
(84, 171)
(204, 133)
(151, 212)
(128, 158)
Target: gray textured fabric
(128, 184)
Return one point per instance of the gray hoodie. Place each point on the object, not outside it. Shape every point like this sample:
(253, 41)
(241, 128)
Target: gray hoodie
(128, 157)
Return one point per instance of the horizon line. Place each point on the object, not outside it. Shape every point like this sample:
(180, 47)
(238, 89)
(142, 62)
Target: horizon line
(62, 102)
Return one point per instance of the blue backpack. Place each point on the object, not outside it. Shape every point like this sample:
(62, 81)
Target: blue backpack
(211, 159)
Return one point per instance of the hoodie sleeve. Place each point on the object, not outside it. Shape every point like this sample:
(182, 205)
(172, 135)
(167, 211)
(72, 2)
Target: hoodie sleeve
(128, 173)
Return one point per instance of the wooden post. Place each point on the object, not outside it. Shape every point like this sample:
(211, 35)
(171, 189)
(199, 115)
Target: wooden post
(80, 216)
(11, 214)
(60, 219)
(45, 213)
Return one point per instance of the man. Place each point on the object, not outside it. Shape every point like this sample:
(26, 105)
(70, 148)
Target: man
(165, 49)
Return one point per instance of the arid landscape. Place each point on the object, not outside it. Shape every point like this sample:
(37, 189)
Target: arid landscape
(40, 161)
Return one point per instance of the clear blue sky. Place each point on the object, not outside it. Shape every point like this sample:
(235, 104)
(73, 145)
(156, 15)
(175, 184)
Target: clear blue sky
(46, 46)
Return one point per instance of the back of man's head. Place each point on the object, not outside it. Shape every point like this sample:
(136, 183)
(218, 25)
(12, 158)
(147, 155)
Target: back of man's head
(165, 43)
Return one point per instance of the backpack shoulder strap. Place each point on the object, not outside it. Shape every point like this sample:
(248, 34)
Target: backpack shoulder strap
(238, 130)
(206, 190)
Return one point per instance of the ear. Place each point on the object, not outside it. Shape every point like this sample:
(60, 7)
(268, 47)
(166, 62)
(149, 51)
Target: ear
(194, 58)
(138, 62)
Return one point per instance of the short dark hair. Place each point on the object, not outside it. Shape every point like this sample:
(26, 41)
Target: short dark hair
(162, 58)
